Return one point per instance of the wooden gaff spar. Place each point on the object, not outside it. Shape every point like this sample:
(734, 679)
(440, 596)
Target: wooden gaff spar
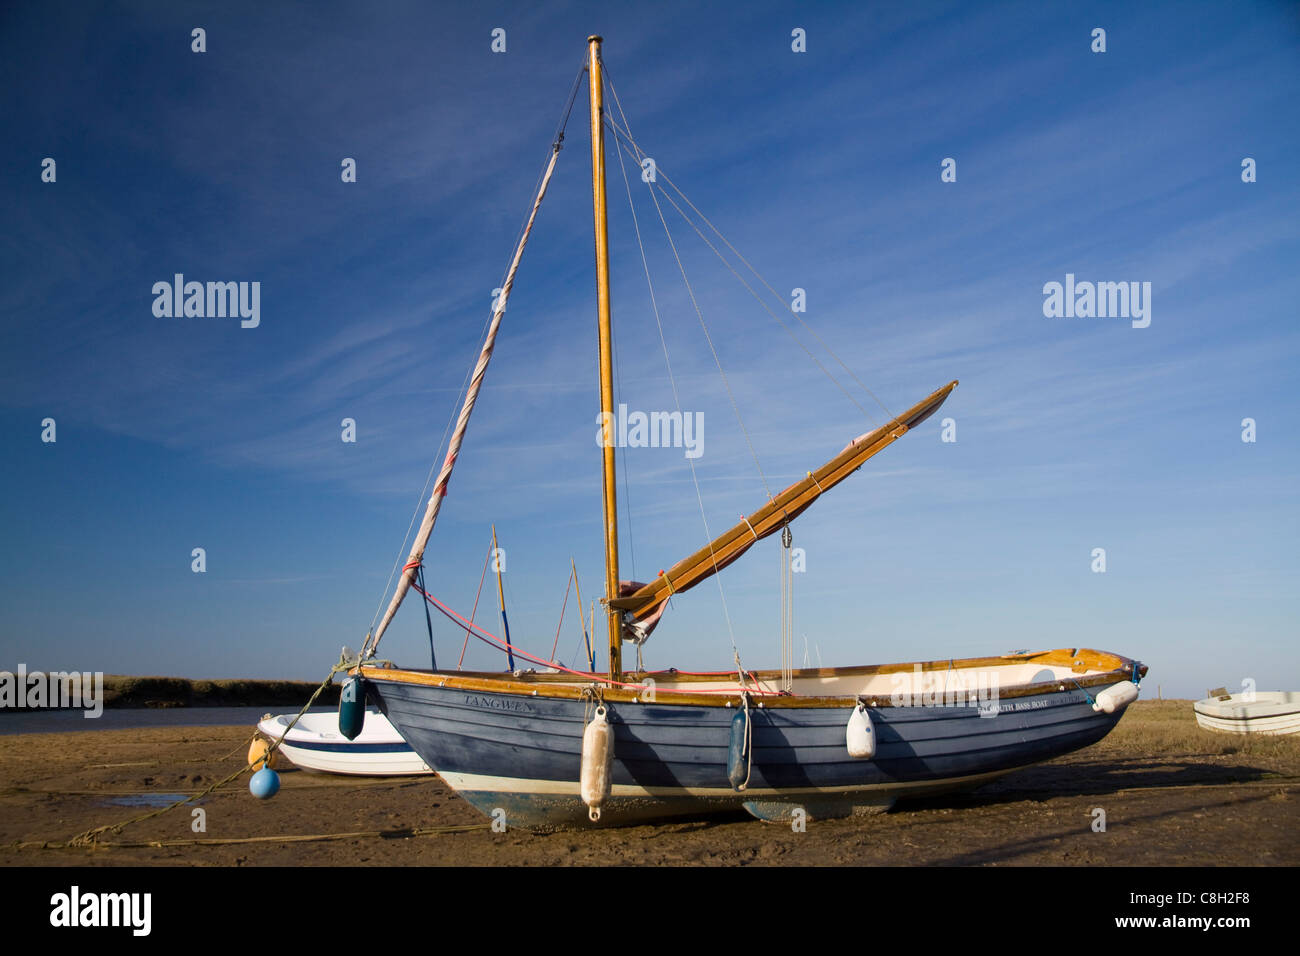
(563, 748)
(648, 600)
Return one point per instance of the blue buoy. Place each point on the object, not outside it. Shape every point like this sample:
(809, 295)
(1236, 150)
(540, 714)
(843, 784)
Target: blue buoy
(738, 750)
(352, 708)
(265, 784)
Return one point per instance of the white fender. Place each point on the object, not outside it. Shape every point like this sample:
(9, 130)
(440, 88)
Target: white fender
(1116, 698)
(859, 735)
(597, 756)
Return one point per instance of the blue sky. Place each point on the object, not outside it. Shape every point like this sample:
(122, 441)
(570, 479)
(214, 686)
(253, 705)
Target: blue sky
(822, 167)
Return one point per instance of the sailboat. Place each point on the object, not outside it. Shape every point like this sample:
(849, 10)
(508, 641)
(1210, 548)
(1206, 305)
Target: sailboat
(558, 748)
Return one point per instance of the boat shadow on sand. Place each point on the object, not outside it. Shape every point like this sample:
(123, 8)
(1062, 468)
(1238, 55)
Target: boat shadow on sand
(1038, 785)
(1100, 778)
(1061, 841)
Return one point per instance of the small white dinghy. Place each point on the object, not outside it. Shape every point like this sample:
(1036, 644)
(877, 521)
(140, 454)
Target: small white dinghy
(316, 744)
(1274, 712)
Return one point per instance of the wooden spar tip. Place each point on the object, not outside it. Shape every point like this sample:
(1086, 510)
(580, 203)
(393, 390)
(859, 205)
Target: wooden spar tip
(595, 38)
(777, 513)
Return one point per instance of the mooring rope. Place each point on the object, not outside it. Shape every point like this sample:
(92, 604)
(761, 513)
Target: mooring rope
(90, 836)
(273, 838)
(244, 747)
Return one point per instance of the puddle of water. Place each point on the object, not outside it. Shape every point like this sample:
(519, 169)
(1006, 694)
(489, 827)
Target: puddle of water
(147, 800)
(64, 721)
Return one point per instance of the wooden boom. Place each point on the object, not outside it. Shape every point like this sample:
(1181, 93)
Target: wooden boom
(780, 511)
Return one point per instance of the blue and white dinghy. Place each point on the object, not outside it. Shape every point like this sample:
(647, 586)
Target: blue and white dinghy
(315, 743)
(553, 747)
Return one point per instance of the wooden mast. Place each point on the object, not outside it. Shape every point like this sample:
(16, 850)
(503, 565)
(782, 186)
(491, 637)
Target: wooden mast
(606, 365)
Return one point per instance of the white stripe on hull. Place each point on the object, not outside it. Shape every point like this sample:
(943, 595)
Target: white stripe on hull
(471, 782)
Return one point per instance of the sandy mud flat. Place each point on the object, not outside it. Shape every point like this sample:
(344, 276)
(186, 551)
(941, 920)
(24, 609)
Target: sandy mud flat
(1172, 795)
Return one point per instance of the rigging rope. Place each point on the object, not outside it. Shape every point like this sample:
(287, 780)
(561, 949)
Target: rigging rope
(588, 653)
(474, 613)
(757, 298)
(489, 638)
(625, 142)
(627, 492)
(433, 656)
(372, 637)
(428, 478)
(654, 304)
(690, 291)
(787, 611)
(567, 588)
(785, 304)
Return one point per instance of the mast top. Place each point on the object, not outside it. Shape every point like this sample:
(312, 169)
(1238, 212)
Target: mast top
(595, 38)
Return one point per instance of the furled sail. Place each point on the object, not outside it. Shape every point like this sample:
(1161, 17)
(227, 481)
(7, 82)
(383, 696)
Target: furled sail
(412, 567)
(645, 604)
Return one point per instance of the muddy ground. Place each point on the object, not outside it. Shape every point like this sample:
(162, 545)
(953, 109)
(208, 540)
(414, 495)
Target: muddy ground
(1172, 794)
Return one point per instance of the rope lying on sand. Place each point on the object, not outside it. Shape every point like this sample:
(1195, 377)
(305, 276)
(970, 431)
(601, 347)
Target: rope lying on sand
(91, 836)
(355, 784)
(409, 832)
(278, 838)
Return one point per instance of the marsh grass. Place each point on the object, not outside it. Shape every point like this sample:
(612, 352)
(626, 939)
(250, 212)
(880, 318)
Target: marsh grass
(127, 691)
(1169, 728)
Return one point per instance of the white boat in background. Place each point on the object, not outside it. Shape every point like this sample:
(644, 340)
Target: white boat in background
(1270, 713)
(315, 743)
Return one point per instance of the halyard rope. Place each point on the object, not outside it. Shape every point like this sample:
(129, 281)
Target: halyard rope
(731, 634)
(659, 172)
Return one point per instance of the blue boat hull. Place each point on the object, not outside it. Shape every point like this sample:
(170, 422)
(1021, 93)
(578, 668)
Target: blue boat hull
(520, 755)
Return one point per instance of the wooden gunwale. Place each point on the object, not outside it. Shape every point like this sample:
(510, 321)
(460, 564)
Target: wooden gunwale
(564, 686)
